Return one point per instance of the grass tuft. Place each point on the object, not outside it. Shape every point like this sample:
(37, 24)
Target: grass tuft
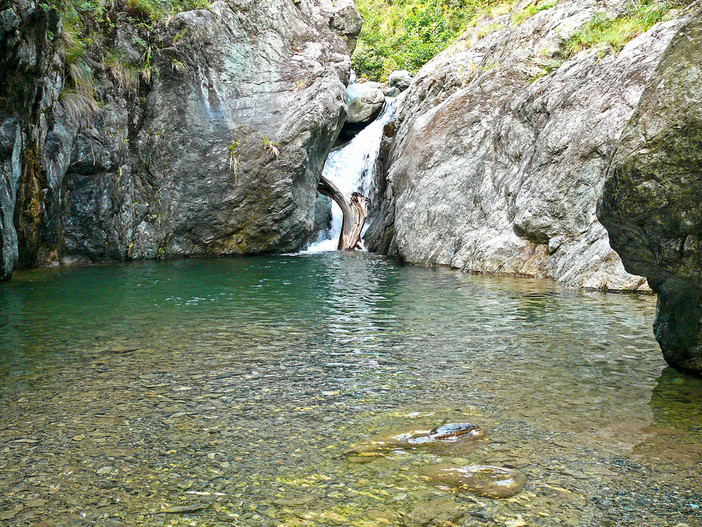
(615, 32)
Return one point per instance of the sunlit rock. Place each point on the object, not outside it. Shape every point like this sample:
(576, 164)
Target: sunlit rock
(502, 148)
(450, 437)
(400, 79)
(365, 100)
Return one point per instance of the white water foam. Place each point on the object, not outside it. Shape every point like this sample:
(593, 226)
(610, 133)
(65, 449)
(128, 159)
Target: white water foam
(351, 170)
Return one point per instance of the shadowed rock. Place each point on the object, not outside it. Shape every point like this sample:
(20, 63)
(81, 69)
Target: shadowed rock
(218, 152)
(651, 199)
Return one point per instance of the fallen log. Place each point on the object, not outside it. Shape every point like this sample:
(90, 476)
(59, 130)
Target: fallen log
(354, 209)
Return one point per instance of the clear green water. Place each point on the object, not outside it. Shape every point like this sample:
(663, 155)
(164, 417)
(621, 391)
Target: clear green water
(136, 394)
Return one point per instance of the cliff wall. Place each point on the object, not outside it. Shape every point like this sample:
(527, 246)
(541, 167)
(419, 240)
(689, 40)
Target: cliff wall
(203, 134)
(502, 145)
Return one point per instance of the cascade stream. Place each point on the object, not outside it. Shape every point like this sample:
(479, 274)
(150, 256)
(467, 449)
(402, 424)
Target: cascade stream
(351, 168)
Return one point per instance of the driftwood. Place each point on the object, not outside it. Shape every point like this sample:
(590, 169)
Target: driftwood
(355, 211)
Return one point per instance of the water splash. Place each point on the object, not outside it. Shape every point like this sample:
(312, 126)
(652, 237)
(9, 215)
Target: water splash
(352, 168)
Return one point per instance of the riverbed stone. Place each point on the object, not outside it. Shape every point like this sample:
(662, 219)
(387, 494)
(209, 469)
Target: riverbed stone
(452, 438)
(651, 200)
(482, 480)
(434, 512)
(455, 432)
(502, 148)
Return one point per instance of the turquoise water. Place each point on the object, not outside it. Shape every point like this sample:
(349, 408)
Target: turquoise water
(227, 391)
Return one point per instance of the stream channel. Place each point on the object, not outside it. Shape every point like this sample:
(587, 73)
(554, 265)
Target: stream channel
(229, 392)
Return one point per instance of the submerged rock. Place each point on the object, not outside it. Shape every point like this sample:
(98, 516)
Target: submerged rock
(443, 437)
(502, 148)
(651, 204)
(435, 512)
(482, 480)
(455, 432)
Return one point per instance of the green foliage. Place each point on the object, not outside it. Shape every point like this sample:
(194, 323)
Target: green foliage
(614, 33)
(158, 10)
(531, 10)
(270, 146)
(405, 34)
(87, 43)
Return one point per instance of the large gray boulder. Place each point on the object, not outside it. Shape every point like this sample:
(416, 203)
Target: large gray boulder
(400, 79)
(652, 199)
(499, 159)
(217, 149)
(366, 99)
(346, 22)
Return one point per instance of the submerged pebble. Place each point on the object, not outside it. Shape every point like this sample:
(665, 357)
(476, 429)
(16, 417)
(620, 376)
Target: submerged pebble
(482, 480)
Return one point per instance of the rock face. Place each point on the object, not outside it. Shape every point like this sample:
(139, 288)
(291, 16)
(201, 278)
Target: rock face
(652, 200)
(216, 149)
(499, 159)
(29, 88)
(400, 79)
(366, 99)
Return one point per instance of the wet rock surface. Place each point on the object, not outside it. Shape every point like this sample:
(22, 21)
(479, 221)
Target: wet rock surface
(499, 160)
(482, 480)
(651, 200)
(218, 153)
(452, 437)
(29, 39)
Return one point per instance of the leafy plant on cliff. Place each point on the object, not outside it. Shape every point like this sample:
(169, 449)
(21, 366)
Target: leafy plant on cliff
(88, 44)
(614, 33)
(125, 74)
(531, 10)
(270, 146)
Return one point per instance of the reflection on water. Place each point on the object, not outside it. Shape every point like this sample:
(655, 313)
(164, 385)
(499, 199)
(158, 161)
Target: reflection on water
(218, 392)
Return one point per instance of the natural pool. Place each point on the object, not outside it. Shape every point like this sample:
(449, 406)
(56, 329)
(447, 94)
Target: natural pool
(225, 392)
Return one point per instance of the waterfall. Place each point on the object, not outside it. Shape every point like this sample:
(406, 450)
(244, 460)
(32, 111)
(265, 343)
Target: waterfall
(352, 168)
